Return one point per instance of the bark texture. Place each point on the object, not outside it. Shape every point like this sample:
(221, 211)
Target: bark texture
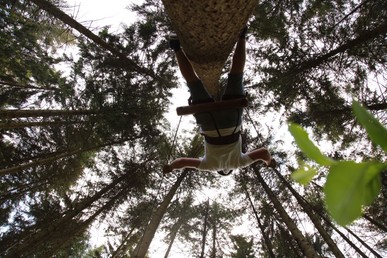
(303, 243)
(208, 31)
(142, 247)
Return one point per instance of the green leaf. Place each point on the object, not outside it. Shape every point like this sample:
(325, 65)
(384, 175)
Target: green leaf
(372, 190)
(349, 186)
(307, 147)
(344, 191)
(375, 130)
(372, 182)
(304, 175)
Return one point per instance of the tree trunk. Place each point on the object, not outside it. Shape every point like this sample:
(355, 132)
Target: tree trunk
(305, 246)
(208, 31)
(205, 225)
(363, 243)
(14, 125)
(213, 251)
(375, 222)
(343, 110)
(116, 252)
(142, 247)
(62, 243)
(361, 39)
(353, 245)
(59, 14)
(26, 87)
(174, 231)
(42, 161)
(313, 217)
(43, 231)
(4, 113)
(266, 238)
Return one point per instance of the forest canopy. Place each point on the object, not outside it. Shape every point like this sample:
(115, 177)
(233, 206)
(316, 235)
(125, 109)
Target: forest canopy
(84, 135)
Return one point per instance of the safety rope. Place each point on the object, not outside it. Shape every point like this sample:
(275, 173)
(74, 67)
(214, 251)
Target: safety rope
(168, 158)
(174, 140)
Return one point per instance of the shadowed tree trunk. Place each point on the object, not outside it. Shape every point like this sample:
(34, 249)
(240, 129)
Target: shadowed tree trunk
(59, 14)
(82, 227)
(19, 124)
(116, 252)
(214, 233)
(208, 31)
(14, 113)
(205, 226)
(313, 217)
(305, 246)
(150, 230)
(25, 86)
(33, 162)
(174, 231)
(377, 255)
(266, 238)
(363, 38)
(41, 233)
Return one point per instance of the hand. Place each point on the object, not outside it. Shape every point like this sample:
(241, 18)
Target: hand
(167, 169)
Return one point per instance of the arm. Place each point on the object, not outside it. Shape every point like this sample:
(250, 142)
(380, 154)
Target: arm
(261, 154)
(181, 163)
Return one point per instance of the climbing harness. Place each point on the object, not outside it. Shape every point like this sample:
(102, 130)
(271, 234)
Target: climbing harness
(210, 106)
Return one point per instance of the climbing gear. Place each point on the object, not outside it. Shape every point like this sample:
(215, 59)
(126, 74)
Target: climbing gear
(208, 106)
(221, 172)
(222, 140)
(174, 140)
(174, 42)
(211, 106)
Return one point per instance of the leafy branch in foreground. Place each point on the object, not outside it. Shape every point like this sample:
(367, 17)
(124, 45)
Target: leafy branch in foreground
(349, 185)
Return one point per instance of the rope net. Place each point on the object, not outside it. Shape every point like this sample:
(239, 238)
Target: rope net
(208, 31)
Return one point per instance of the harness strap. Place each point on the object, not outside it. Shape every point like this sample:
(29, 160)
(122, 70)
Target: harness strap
(222, 140)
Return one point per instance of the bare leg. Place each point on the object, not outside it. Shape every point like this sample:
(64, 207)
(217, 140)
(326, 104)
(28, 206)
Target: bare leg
(185, 66)
(239, 57)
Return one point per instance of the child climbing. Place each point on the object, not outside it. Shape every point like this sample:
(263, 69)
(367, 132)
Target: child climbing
(221, 129)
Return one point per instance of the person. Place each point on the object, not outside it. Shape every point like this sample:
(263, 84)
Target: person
(221, 129)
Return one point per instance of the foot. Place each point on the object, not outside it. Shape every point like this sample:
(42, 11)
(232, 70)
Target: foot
(174, 42)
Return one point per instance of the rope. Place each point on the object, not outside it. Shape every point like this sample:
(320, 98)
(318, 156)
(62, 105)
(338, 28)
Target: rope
(251, 121)
(168, 158)
(174, 140)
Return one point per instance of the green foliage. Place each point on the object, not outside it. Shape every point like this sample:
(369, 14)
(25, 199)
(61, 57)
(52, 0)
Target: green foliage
(375, 130)
(72, 192)
(304, 174)
(306, 145)
(244, 248)
(349, 185)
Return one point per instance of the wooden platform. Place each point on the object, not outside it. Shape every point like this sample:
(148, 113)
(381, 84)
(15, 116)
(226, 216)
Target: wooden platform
(212, 106)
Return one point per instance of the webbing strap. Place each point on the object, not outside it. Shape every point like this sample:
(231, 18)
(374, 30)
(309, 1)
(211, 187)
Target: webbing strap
(222, 140)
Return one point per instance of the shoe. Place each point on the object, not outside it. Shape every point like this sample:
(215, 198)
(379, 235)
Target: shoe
(243, 32)
(174, 42)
